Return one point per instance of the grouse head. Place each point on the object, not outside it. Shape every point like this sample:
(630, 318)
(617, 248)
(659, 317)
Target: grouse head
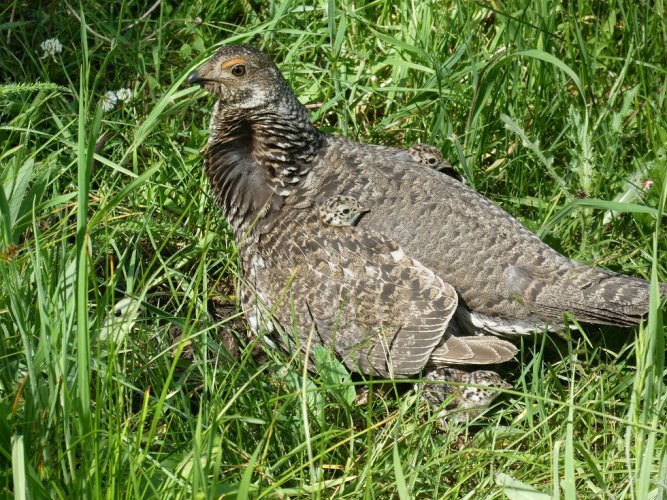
(261, 142)
(241, 77)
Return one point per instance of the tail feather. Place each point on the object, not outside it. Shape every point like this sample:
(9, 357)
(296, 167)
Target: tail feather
(592, 295)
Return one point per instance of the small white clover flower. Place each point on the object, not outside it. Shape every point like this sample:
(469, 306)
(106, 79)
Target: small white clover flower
(51, 47)
(124, 95)
(109, 100)
(114, 97)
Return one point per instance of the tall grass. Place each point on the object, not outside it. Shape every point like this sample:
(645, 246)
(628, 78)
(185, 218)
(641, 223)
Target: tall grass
(120, 374)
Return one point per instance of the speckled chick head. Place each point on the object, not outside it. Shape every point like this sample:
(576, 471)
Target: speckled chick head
(465, 397)
(426, 154)
(479, 397)
(341, 211)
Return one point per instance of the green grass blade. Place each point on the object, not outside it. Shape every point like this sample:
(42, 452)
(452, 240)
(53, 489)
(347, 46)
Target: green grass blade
(18, 469)
(401, 485)
(244, 486)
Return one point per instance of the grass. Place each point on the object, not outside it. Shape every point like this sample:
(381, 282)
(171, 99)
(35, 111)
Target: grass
(118, 274)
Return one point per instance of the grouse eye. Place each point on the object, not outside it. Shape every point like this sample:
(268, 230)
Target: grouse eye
(238, 70)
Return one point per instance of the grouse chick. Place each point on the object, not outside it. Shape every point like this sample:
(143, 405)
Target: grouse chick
(341, 211)
(431, 156)
(470, 395)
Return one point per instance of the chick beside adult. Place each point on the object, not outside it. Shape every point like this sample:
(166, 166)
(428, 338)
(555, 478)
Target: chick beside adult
(341, 211)
(429, 155)
(431, 273)
(471, 394)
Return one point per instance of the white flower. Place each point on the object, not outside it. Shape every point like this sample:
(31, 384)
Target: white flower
(123, 95)
(113, 97)
(51, 47)
(109, 100)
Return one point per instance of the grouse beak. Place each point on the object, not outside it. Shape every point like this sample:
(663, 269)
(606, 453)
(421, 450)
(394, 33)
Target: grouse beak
(194, 78)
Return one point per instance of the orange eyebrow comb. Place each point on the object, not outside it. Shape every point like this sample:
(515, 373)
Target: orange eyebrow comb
(233, 62)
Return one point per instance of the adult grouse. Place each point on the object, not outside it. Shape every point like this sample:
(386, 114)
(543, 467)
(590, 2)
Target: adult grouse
(430, 272)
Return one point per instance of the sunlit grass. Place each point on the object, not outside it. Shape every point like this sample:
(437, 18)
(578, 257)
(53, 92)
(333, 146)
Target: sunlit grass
(118, 275)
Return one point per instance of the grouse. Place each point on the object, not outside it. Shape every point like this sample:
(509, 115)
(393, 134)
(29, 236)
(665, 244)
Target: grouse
(427, 272)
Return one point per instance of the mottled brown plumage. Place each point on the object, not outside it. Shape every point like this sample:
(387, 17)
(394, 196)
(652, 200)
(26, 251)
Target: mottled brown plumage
(429, 273)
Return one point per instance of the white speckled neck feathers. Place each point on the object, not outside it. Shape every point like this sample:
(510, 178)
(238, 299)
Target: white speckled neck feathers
(255, 158)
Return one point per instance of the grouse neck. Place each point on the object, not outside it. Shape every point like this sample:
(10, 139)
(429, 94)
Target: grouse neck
(257, 158)
(285, 142)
